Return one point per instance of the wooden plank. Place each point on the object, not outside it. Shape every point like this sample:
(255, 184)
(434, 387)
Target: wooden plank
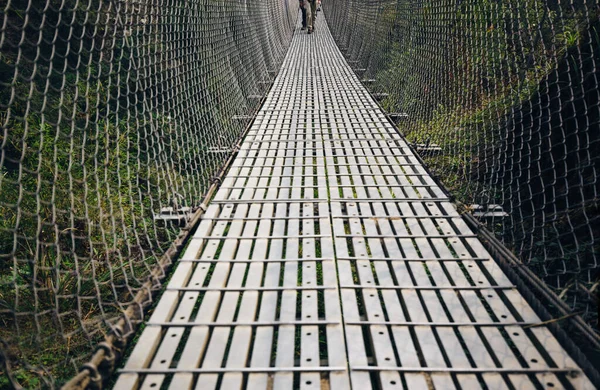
(476, 347)
(391, 302)
(521, 382)
(468, 381)
(357, 354)
(444, 381)
(263, 340)
(164, 356)
(240, 344)
(140, 357)
(454, 306)
(429, 347)
(453, 348)
(309, 335)
(560, 358)
(286, 343)
(190, 358)
(500, 348)
(217, 344)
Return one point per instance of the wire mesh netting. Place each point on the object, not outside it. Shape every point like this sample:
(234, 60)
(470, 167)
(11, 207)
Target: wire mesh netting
(501, 99)
(116, 115)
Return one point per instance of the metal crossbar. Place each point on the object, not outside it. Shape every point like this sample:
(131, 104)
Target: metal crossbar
(383, 218)
(332, 140)
(338, 292)
(315, 186)
(237, 370)
(247, 323)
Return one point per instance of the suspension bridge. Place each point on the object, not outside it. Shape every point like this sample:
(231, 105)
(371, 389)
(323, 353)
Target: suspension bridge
(329, 258)
(327, 252)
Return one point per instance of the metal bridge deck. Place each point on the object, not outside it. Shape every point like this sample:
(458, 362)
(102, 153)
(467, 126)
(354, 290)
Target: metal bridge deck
(330, 259)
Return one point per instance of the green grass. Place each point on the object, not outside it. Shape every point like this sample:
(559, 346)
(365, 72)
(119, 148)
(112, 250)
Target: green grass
(79, 184)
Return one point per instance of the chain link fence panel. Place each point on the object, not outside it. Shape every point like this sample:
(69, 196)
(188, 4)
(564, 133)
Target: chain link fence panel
(116, 116)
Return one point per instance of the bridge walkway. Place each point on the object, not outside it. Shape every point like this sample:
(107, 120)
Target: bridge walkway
(330, 259)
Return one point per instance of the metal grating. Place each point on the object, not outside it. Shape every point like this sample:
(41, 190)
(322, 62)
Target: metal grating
(326, 210)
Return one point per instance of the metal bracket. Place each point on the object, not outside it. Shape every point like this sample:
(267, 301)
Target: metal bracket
(242, 117)
(488, 211)
(180, 215)
(430, 149)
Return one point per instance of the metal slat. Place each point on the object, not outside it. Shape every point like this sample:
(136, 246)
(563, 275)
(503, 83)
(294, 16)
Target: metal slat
(309, 335)
(251, 273)
(221, 272)
(286, 343)
(263, 339)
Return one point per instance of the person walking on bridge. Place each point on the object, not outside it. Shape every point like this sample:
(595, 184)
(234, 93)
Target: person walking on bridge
(303, 10)
(310, 6)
